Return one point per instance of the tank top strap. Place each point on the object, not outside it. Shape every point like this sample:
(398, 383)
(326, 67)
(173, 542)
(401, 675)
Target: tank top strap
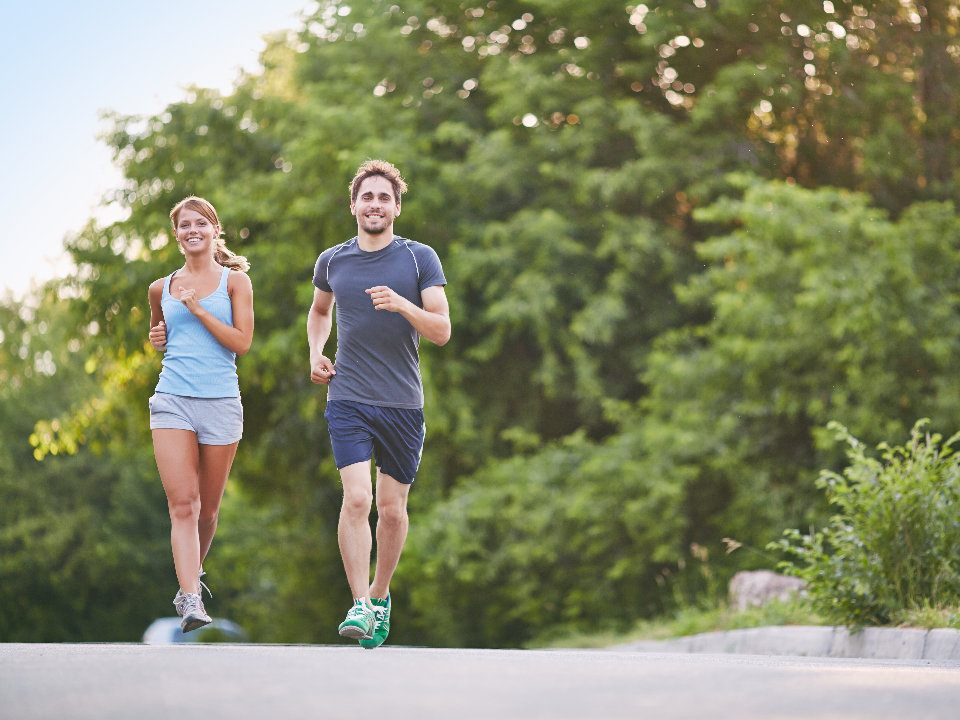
(166, 286)
(223, 279)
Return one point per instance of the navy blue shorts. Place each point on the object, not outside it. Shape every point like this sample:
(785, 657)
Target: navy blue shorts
(393, 436)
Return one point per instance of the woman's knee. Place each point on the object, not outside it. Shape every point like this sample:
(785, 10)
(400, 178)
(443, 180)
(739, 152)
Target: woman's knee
(209, 517)
(185, 508)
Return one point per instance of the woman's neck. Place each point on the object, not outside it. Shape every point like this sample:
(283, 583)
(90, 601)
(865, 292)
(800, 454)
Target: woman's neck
(200, 265)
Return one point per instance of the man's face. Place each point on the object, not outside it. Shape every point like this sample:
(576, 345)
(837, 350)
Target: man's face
(375, 206)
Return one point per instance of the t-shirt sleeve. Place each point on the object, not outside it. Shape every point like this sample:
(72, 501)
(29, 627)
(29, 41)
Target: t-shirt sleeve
(320, 271)
(431, 272)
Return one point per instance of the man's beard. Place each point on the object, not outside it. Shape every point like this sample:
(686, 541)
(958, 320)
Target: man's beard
(371, 230)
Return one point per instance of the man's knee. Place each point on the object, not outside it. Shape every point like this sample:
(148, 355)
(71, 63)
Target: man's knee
(357, 501)
(393, 512)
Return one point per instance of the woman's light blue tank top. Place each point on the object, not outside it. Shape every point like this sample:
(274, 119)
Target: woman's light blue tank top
(195, 363)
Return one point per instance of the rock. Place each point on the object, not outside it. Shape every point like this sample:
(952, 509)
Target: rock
(756, 588)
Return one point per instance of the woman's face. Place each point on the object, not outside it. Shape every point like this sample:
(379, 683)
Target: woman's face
(195, 233)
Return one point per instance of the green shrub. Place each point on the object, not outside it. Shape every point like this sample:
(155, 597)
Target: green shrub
(568, 539)
(892, 547)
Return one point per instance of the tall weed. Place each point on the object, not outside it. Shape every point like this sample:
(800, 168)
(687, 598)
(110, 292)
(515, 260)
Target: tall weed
(892, 547)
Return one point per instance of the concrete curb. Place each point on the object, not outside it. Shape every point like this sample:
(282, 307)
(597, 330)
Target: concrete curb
(832, 642)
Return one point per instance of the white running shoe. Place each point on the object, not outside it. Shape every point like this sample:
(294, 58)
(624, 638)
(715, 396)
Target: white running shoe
(178, 601)
(191, 609)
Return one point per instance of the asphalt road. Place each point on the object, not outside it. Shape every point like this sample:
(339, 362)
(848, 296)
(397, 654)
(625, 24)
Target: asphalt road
(272, 681)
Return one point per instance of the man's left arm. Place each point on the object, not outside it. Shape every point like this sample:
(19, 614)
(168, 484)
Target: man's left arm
(432, 321)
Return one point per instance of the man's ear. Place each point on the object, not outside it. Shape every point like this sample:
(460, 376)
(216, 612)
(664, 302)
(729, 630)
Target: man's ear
(398, 208)
(353, 208)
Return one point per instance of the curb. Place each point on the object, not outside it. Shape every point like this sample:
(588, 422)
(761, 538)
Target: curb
(831, 642)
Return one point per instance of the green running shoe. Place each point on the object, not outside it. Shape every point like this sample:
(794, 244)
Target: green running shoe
(359, 623)
(381, 611)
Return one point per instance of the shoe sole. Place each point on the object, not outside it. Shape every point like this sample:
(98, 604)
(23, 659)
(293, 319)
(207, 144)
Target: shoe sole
(354, 633)
(192, 624)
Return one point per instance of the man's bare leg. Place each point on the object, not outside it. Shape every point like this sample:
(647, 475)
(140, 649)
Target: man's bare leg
(392, 524)
(353, 531)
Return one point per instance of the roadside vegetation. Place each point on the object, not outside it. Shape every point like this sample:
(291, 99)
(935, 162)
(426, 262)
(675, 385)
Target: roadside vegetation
(889, 555)
(696, 620)
(691, 621)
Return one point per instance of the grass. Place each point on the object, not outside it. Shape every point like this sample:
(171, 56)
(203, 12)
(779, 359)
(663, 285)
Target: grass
(693, 621)
(689, 621)
(928, 617)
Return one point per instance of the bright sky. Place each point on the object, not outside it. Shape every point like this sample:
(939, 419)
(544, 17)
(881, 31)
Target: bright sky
(66, 60)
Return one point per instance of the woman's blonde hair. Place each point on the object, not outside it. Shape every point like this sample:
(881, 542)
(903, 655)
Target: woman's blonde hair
(221, 254)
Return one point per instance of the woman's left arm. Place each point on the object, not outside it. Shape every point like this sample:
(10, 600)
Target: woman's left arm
(237, 338)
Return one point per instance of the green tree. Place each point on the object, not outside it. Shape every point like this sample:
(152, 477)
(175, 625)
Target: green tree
(84, 536)
(821, 308)
(557, 152)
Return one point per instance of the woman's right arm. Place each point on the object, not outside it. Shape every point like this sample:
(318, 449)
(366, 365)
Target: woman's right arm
(158, 330)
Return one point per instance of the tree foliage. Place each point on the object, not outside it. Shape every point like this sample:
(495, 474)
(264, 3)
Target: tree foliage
(656, 298)
(820, 307)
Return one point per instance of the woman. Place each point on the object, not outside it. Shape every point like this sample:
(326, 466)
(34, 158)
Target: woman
(202, 316)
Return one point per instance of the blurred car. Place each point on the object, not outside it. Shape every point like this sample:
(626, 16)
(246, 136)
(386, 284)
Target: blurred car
(166, 631)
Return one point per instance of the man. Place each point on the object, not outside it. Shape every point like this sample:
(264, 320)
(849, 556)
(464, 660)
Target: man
(389, 293)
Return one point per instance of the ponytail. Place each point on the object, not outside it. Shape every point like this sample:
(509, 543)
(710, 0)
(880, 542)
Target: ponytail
(228, 258)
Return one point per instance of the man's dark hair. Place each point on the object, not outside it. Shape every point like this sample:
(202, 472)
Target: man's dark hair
(377, 167)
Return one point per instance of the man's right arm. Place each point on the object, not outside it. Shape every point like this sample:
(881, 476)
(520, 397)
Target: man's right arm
(319, 324)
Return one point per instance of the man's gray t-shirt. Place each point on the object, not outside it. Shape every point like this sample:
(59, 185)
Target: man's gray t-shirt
(377, 362)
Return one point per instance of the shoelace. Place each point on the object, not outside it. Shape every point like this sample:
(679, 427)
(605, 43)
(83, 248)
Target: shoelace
(358, 610)
(203, 585)
(192, 604)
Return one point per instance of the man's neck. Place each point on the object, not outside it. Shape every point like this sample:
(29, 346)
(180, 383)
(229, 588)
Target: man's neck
(372, 243)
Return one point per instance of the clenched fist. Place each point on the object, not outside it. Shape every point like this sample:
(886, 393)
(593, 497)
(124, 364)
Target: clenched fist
(158, 336)
(321, 370)
(386, 299)
(190, 299)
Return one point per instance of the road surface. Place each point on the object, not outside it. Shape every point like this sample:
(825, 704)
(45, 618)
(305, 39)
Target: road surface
(66, 682)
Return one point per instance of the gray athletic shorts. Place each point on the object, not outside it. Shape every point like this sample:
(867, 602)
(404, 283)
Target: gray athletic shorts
(216, 421)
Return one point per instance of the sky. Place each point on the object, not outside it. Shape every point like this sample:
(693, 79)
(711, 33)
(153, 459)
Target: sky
(64, 62)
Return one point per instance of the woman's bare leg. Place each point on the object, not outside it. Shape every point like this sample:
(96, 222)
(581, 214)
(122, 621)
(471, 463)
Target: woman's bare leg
(178, 460)
(193, 478)
(215, 463)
